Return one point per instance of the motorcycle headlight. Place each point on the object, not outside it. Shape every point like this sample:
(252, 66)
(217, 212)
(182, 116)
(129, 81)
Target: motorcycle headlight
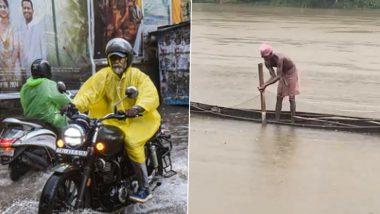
(73, 135)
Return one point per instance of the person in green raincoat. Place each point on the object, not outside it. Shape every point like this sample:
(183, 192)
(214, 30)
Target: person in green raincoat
(40, 98)
(99, 94)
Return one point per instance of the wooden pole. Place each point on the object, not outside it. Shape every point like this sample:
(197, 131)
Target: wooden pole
(263, 106)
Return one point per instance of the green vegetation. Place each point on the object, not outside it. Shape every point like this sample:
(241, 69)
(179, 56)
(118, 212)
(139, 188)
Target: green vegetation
(375, 4)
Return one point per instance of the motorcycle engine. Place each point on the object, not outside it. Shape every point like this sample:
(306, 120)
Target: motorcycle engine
(105, 170)
(114, 189)
(115, 196)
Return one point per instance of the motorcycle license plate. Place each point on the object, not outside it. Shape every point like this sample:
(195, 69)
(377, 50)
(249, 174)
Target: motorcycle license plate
(7, 151)
(72, 152)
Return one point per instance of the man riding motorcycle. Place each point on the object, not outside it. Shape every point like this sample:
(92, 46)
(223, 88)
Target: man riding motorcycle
(40, 98)
(103, 90)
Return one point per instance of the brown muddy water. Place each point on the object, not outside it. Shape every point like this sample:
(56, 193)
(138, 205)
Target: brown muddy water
(242, 167)
(22, 196)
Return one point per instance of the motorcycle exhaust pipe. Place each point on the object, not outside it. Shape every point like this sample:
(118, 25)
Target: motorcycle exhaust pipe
(35, 161)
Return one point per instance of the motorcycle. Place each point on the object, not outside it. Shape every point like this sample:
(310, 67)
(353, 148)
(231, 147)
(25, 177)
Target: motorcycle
(97, 173)
(27, 144)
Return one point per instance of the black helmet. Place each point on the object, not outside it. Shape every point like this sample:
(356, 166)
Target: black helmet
(119, 47)
(41, 69)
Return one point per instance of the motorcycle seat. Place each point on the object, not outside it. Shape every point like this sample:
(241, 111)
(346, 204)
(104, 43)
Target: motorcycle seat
(33, 123)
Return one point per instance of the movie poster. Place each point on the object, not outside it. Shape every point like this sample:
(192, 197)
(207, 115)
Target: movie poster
(52, 30)
(186, 10)
(117, 18)
(156, 13)
(68, 38)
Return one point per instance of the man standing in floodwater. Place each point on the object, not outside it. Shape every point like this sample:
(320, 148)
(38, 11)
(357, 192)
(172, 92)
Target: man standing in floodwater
(287, 75)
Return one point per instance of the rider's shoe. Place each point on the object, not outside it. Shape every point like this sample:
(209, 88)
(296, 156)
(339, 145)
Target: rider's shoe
(141, 196)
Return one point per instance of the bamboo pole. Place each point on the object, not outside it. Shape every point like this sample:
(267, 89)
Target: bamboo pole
(263, 106)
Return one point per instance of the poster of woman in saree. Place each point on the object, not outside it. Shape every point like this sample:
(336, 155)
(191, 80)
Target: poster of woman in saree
(9, 50)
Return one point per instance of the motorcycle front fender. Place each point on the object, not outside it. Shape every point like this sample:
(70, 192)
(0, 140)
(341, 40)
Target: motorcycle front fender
(65, 168)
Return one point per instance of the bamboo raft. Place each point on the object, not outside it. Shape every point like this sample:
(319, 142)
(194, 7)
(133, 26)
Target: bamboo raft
(302, 119)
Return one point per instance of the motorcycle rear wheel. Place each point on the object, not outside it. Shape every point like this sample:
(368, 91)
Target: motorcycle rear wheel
(60, 193)
(17, 169)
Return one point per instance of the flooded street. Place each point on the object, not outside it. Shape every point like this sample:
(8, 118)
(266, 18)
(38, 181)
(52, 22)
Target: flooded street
(171, 197)
(242, 167)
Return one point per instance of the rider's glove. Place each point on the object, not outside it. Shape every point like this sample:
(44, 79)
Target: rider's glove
(68, 108)
(64, 108)
(133, 112)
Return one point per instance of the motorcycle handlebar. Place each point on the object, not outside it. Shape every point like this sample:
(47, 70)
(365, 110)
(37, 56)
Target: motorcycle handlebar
(68, 94)
(117, 116)
(71, 111)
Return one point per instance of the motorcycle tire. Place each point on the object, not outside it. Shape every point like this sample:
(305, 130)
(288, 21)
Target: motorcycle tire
(17, 169)
(56, 196)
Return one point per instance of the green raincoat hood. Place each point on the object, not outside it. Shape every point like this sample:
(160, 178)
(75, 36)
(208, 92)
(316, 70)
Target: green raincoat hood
(31, 82)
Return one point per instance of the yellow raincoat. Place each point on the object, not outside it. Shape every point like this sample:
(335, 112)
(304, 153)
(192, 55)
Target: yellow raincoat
(103, 90)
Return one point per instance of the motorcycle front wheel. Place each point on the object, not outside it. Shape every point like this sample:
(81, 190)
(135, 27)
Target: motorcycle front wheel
(60, 193)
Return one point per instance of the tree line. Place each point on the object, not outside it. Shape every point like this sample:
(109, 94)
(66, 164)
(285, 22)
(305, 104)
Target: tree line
(375, 4)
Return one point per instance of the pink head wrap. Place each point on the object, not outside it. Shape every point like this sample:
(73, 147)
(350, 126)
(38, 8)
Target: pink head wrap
(265, 50)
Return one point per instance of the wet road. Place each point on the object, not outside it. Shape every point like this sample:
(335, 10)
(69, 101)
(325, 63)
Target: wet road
(242, 167)
(171, 197)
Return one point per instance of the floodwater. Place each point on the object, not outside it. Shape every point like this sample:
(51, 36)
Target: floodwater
(242, 167)
(22, 197)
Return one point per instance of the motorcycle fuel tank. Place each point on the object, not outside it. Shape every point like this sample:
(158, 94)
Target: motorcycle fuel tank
(113, 139)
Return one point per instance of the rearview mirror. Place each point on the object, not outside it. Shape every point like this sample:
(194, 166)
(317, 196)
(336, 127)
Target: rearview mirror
(131, 92)
(61, 87)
